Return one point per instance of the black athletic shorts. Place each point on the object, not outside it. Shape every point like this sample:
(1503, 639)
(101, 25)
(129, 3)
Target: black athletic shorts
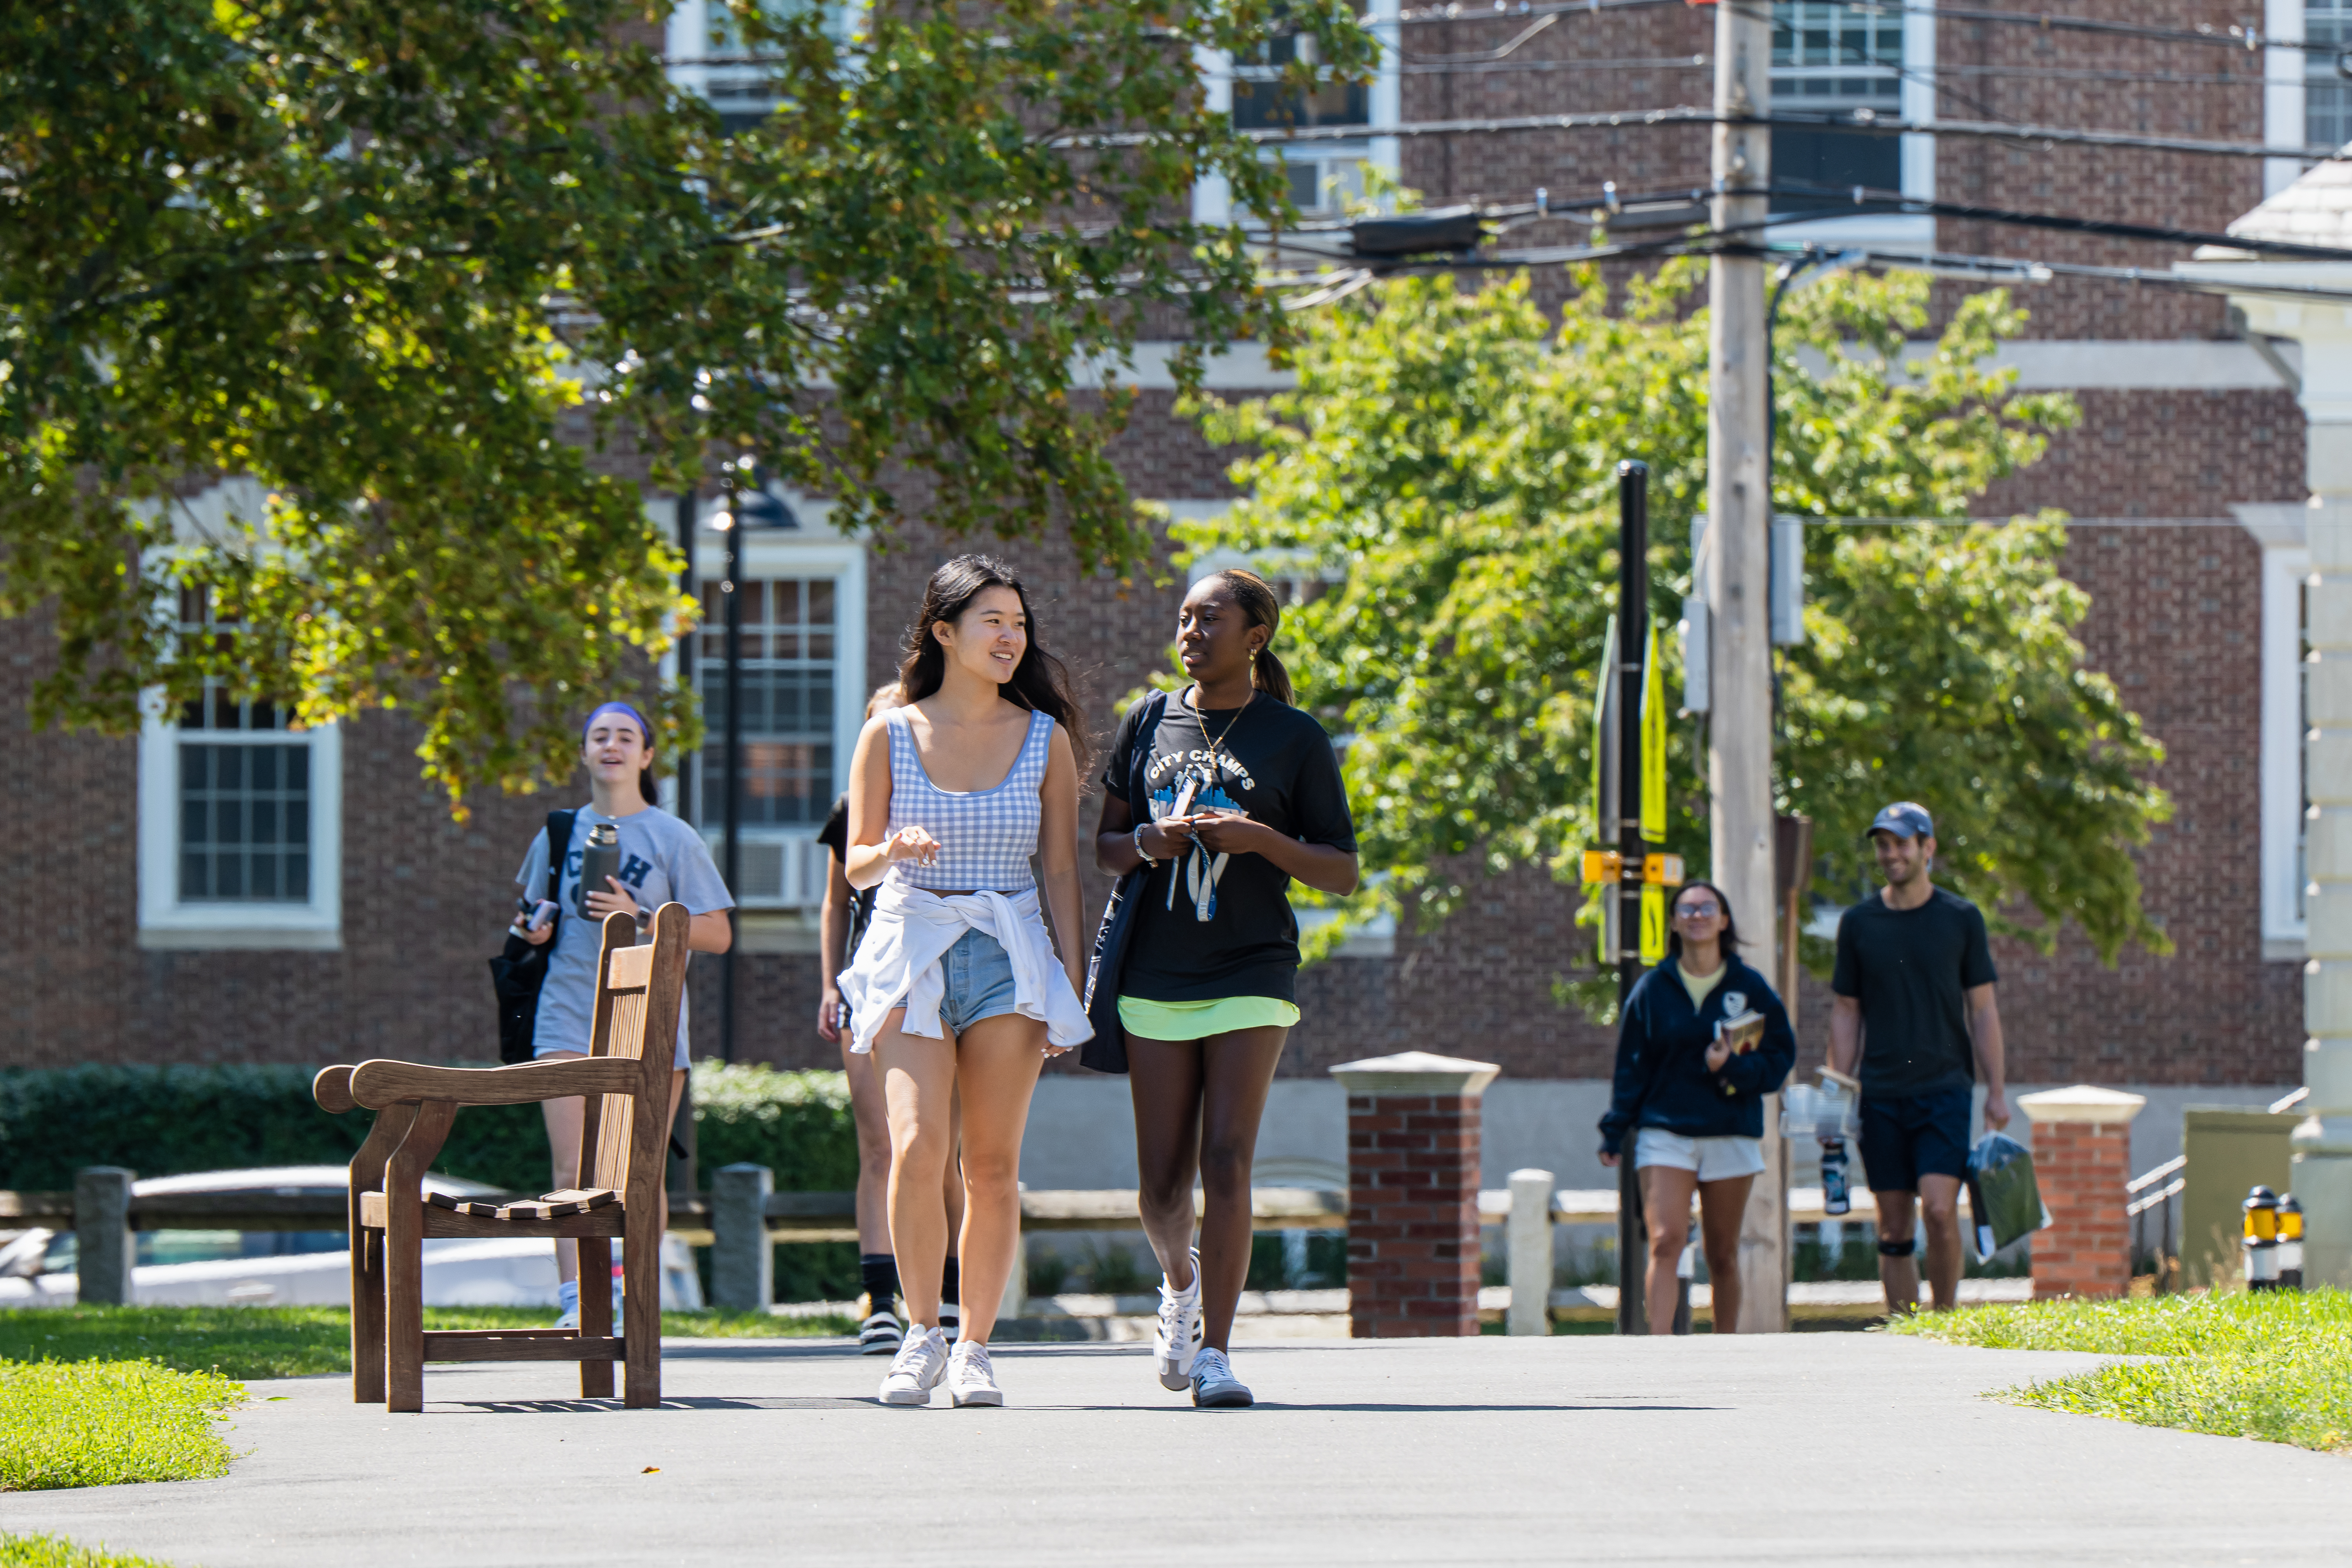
(1905, 1137)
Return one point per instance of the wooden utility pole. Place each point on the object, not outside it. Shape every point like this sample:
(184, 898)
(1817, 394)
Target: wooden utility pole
(1740, 507)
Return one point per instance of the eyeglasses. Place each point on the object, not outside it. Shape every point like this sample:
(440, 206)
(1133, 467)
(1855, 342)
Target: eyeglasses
(1697, 911)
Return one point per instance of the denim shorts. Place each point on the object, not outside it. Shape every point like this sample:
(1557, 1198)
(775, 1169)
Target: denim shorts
(978, 981)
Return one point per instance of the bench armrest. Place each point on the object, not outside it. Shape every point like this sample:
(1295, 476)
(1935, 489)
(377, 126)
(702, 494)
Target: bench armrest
(377, 1084)
(332, 1090)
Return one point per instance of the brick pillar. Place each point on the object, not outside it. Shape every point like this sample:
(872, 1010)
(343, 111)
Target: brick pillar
(1413, 1195)
(2082, 1158)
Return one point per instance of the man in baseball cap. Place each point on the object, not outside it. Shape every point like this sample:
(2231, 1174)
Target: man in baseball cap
(1914, 1005)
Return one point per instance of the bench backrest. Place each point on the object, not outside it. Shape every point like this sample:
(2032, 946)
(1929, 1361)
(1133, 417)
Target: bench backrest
(639, 992)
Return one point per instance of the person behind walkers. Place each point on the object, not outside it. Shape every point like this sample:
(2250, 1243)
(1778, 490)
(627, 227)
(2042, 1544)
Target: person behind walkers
(1243, 794)
(843, 923)
(1694, 1107)
(956, 989)
(662, 860)
(1914, 1000)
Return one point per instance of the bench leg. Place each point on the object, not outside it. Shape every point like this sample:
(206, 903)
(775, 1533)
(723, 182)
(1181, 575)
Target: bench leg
(367, 1316)
(404, 1260)
(641, 1312)
(595, 1312)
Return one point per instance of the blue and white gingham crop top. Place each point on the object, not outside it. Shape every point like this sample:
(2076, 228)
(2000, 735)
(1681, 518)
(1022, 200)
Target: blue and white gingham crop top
(985, 835)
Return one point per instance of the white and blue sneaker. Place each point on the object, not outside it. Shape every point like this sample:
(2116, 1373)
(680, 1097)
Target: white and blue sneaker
(1214, 1386)
(567, 1296)
(922, 1361)
(1177, 1336)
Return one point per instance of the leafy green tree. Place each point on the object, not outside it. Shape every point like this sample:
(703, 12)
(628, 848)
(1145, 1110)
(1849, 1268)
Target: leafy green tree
(1446, 467)
(394, 259)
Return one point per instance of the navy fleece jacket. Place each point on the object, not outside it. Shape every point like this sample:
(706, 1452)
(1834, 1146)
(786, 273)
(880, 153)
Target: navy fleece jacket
(1662, 1077)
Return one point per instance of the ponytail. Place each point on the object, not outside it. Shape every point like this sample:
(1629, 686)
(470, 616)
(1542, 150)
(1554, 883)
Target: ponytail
(1255, 597)
(647, 787)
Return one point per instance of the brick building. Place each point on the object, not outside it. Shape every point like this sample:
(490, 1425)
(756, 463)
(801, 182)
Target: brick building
(353, 916)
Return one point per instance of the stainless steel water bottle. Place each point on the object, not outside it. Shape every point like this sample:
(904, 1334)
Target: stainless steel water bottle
(602, 860)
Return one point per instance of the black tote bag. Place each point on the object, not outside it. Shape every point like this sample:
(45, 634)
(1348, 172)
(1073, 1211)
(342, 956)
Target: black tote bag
(518, 972)
(1107, 1052)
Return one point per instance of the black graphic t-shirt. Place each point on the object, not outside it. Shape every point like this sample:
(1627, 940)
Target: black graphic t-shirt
(1272, 762)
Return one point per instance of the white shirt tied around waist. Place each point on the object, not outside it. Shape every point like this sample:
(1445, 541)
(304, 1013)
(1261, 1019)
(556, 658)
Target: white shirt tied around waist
(898, 963)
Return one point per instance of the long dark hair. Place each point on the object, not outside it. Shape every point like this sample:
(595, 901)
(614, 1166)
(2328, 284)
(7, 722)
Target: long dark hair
(1674, 933)
(1040, 682)
(1257, 599)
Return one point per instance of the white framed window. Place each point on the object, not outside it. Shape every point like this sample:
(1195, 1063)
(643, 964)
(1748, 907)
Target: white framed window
(240, 826)
(2285, 666)
(707, 55)
(805, 688)
(1325, 177)
(1856, 62)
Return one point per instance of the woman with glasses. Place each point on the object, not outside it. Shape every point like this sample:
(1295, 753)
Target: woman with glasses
(1693, 1101)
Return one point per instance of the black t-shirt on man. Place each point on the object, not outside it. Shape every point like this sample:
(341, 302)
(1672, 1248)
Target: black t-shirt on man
(1910, 968)
(1272, 762)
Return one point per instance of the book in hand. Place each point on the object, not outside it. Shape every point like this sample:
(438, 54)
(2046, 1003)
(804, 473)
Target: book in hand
(1743, 1034)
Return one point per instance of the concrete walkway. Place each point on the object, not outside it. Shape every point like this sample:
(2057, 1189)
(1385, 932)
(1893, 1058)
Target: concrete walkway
(1493, 1451)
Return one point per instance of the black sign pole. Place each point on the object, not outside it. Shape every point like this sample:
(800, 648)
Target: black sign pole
(1632, 635)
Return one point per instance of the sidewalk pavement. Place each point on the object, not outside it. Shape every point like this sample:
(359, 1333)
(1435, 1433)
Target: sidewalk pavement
(1799, 1448)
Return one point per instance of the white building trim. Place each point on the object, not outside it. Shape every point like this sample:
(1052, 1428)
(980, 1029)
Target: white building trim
(166, 921)
(2284, 71)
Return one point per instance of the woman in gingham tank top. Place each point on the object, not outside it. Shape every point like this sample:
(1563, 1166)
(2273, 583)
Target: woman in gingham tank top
(957, 989)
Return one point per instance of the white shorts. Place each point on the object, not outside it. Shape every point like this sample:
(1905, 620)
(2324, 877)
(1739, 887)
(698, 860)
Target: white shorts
(1715, 1158)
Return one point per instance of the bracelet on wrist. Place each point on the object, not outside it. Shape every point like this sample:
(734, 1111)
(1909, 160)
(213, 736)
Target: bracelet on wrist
(1140, 849)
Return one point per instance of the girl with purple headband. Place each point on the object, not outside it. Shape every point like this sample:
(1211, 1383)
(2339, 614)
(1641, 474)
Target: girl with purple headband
(662, 859)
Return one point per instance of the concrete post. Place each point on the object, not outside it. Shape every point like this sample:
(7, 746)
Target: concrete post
(1413, 1194)
(1529, 1243)
(2082, 1158)
(102, 1234)
(742, 1259)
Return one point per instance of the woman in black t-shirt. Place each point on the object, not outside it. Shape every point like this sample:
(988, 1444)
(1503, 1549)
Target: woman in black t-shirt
(1243, 794)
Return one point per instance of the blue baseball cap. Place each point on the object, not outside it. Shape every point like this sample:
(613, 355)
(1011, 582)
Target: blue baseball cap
(1904, 819)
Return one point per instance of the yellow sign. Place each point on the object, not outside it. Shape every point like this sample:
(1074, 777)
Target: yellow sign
(1603, 866)
(1654, 924)
(1666, 871)
(1653, 743)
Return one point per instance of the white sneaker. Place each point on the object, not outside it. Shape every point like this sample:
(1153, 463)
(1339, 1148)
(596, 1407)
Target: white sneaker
(971, 1379)
(1179, 1335)
(881, 1333)
(922, 1361)
(567, 1296)
(1214, 1386)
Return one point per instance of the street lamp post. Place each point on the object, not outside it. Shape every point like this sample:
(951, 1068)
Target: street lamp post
(748, 505)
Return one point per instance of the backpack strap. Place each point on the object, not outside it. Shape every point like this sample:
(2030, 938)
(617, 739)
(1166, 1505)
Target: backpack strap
(558, 845)
(1139, 749)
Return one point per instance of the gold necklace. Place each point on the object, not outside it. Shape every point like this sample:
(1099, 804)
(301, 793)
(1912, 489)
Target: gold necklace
(1217, 742)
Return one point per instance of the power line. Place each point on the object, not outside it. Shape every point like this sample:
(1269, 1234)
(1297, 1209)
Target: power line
(2049, 135)
(2156, 233)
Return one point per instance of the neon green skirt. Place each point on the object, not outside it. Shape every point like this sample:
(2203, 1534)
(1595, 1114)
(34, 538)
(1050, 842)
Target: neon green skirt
(1199, 1020)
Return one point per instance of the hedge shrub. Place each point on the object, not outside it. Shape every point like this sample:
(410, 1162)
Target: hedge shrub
(798, 1125)
(166, 1121)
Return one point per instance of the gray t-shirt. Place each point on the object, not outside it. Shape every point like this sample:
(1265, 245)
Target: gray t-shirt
(662, 860)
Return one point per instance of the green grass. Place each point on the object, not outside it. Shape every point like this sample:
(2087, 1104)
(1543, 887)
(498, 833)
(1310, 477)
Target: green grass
(99, 1423)
(300, 1341)
(2276, 1366)
(56, 1552)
